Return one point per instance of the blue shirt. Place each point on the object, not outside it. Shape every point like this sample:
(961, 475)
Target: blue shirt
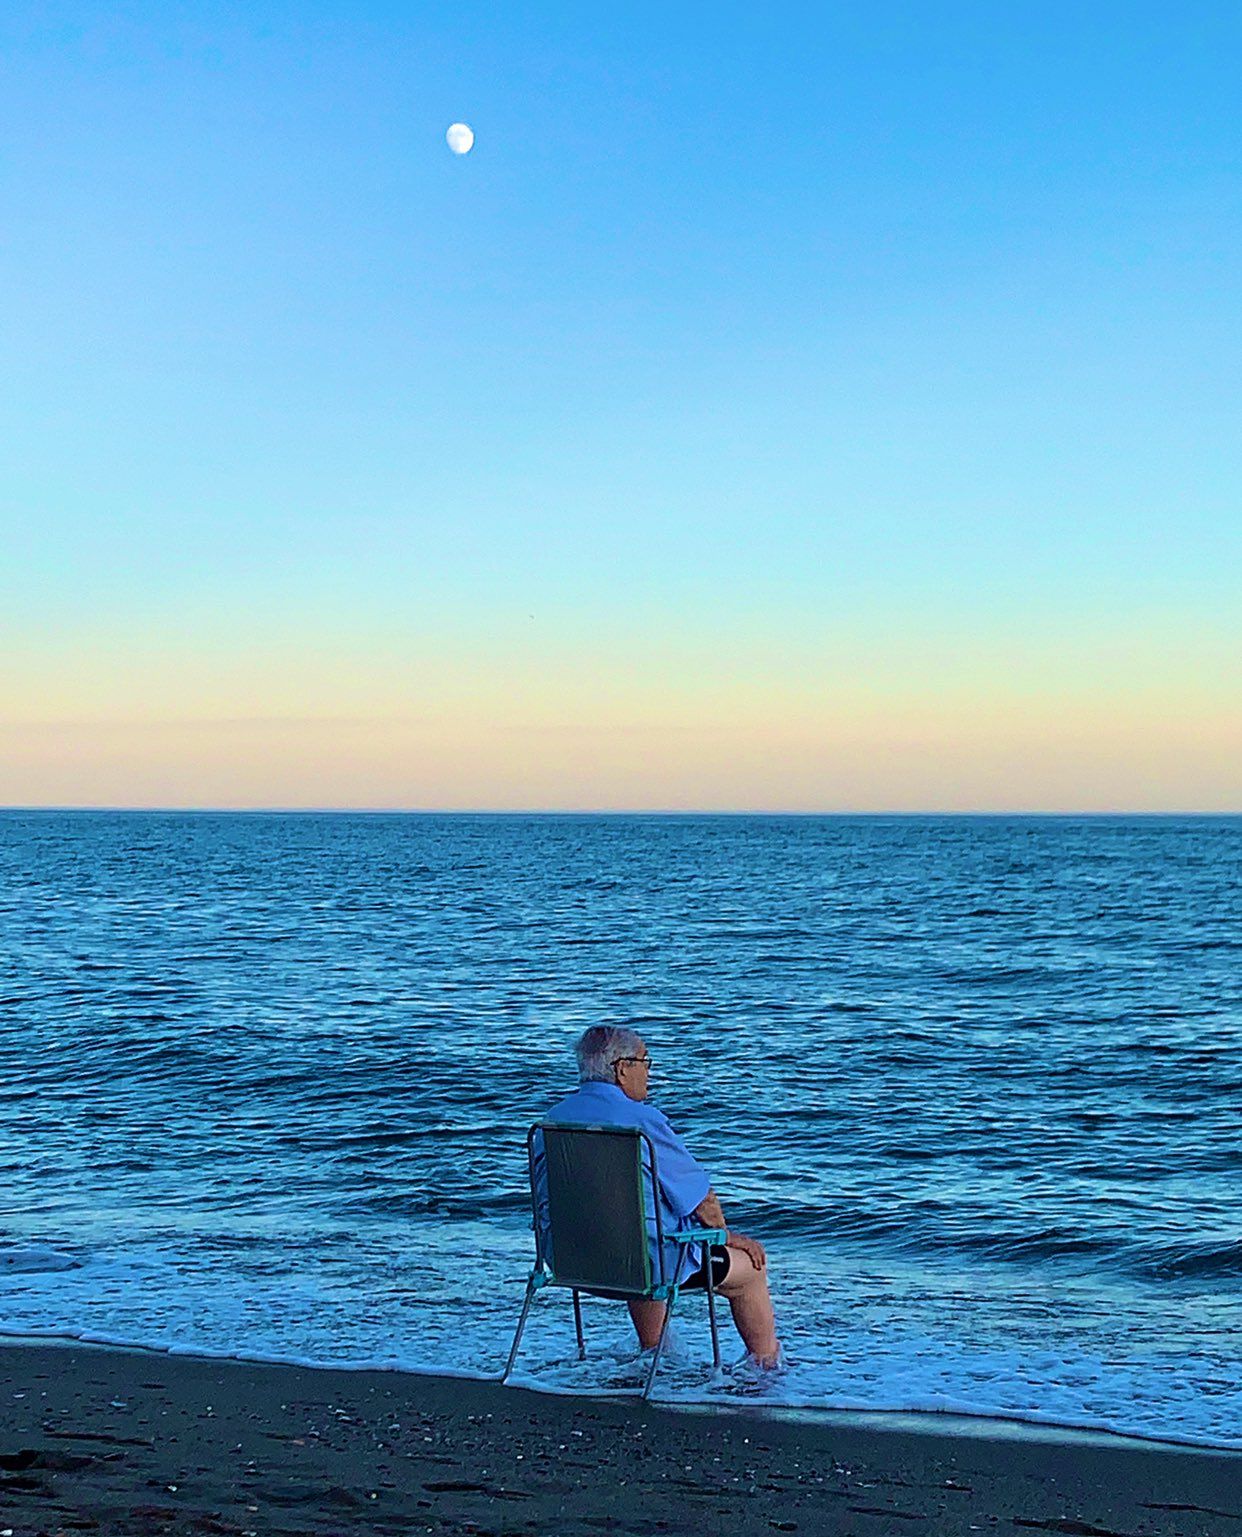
(683, 1182)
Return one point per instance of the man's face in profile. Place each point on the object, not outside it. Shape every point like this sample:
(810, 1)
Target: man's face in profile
(633, 1072)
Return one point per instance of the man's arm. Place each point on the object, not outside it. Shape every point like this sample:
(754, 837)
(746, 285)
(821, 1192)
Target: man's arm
(679, 1170)
(711, 1214)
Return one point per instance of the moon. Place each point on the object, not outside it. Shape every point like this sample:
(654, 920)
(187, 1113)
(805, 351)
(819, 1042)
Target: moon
(460, 138)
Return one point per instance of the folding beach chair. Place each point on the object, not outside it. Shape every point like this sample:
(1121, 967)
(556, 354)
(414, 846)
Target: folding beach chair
(602, 1208)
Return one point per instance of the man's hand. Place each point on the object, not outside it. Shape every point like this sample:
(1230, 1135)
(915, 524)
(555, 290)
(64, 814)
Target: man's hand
(711, 1214)
(709, 1211)
(750, 1247)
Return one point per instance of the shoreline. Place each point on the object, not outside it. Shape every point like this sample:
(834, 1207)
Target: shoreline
(962, 1422)
(112, 1440)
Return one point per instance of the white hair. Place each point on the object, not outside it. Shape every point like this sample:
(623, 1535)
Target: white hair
(600, 1047)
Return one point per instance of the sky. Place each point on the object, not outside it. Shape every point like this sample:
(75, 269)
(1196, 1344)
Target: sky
(827, 407)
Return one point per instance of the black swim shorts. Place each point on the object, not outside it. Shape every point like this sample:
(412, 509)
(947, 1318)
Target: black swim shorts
(718, 1259)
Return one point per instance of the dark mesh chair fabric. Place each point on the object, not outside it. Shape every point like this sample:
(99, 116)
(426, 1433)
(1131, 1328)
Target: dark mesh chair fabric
(597, 1210)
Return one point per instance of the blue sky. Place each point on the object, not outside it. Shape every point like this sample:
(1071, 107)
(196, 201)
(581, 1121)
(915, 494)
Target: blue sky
(766, 376)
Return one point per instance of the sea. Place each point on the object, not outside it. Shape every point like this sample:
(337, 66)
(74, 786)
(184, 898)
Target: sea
(975, 1082)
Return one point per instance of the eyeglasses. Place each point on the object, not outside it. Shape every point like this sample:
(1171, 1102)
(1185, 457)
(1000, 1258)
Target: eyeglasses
(646, 1061)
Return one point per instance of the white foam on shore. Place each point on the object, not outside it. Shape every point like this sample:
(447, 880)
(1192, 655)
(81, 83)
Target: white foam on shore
(859, 1342)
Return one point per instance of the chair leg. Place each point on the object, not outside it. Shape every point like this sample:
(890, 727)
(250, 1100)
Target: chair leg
(578, 1326)
(655, 1358)
(711, 1318)
(517, 1338)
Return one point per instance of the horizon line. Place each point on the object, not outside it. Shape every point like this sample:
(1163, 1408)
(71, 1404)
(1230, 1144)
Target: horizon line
(589, 811)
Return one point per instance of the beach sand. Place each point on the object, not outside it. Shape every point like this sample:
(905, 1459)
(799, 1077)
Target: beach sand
(111, 1441)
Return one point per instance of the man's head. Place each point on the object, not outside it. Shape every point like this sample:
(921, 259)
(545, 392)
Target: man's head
(609, 1055)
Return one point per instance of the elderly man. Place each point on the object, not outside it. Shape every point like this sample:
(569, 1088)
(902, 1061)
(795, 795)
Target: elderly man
(615, 1067)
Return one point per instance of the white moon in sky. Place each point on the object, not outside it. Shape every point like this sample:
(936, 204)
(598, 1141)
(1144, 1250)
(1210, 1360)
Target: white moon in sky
(460, 137)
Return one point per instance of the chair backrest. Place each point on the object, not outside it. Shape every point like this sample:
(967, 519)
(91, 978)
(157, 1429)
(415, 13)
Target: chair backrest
(596, 1189)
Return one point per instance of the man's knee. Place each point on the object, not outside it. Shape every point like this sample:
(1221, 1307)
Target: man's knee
(744, 1274)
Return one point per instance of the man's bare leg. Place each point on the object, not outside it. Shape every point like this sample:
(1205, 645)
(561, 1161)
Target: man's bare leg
(746, 1288)
(648, 1318)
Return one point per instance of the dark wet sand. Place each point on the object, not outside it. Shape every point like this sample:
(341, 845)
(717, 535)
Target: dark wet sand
(119, 1442)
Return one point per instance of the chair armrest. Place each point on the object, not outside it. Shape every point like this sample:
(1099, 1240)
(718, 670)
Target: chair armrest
(713, 1237)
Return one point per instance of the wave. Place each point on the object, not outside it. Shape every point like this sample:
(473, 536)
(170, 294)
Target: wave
(1174, 1262)
(933, 1229)
(414, 1204)
(30, 1259)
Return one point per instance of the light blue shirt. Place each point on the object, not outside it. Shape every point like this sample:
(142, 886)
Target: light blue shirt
(683, 1182)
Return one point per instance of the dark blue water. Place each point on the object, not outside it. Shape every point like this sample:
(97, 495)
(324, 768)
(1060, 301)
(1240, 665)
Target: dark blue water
(977, 1083)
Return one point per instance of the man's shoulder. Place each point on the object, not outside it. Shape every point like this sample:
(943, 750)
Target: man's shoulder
(592, 1109)
(570, 1108)
(597, 1109)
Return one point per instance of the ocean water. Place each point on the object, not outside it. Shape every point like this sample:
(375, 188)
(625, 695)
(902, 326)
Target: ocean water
(976, 1083)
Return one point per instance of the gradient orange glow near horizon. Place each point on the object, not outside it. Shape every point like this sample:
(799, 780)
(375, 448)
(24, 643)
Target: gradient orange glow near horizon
(858, 723)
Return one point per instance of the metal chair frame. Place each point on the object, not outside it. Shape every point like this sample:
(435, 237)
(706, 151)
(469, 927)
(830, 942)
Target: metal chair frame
(543, 1273)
